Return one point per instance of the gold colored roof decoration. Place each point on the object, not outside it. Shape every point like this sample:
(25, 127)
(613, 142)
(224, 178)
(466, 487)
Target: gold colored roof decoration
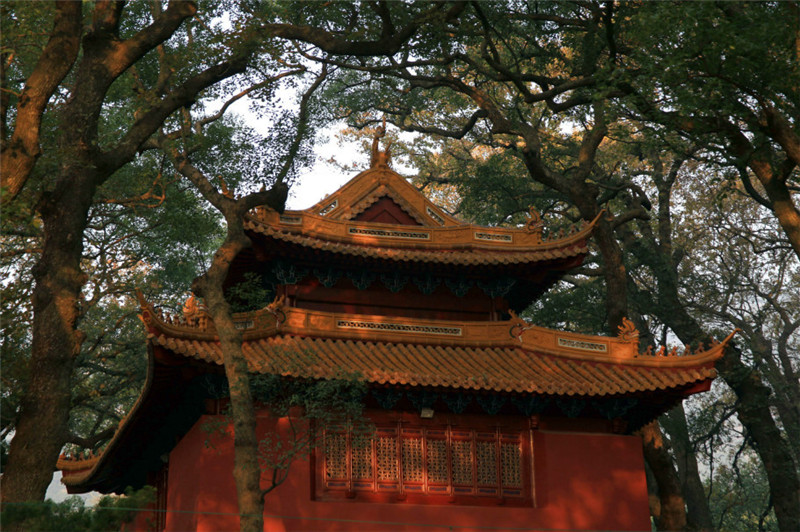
(628, 331)
(535, 224)
(380, 158)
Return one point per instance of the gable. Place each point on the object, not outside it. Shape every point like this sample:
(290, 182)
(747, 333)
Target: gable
(381, 195)
(386, 211)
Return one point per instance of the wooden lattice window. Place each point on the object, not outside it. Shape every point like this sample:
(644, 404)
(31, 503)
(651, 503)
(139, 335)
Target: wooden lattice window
(400, 461)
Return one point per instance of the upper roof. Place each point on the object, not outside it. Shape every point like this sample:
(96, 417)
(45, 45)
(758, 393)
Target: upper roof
(426, 234)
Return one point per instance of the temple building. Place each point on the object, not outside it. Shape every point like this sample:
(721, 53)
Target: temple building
(482, 421)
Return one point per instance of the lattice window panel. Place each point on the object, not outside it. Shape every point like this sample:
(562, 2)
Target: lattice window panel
(335, 455)
(387, 457)
(461, 452)
(438, 472)
(511, 462)
(486, 462)
(413, 463)
(361, 458)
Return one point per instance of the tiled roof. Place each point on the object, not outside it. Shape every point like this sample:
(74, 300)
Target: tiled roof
(502, 356)
(509, 369)
(376, 245)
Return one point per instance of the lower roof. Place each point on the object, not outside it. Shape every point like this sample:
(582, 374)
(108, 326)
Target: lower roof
(501, 356)
(493, 369)
(510, 357)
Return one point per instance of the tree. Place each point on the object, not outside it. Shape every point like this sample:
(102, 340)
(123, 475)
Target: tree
(111, 85)
(504, 75)
(726, 76)
(106, 102)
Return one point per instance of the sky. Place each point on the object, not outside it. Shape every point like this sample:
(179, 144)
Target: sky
(58, 492)
(324, 178)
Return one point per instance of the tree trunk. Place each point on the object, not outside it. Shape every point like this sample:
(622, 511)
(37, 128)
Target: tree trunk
(783, 381)
(584, 196)
(42, 427)
(753, 410)
(673, 514)
(246, 468)
(698, 515)
(615, 275)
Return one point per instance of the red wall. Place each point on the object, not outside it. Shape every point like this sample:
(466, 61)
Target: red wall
(582, 481)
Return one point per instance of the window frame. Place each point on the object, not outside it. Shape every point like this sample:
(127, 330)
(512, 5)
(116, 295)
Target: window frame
(499, 430)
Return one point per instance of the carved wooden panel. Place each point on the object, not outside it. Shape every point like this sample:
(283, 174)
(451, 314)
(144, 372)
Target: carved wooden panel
(428, 461)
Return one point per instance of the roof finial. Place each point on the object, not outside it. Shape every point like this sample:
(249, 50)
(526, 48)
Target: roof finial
(380, 158)
(628, 331)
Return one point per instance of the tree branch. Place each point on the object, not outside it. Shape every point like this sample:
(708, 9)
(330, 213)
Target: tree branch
(18, 156)
(126, 53)
(184, 95)
(783, 133)
(452, 133)
(91, 441)
(301, 131)
(233, 99)
(387, 44)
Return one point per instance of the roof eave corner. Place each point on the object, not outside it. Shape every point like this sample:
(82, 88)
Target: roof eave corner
(147, 314)
(78, 475)
(711, 355)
